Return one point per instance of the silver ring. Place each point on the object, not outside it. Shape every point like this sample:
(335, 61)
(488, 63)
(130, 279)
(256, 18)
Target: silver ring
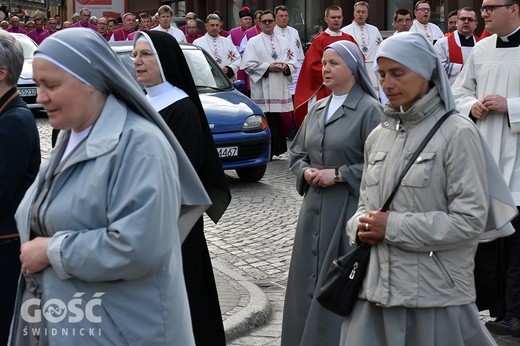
(366, 226)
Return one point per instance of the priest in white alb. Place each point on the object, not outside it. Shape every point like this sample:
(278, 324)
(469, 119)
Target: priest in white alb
(221, 49)
(270, 62)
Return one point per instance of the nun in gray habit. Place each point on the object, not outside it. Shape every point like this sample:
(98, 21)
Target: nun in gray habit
(102, 225)
(329, 144)
(419, 288)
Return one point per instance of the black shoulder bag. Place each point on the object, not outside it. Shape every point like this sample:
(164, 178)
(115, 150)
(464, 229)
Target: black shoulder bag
(341, 285)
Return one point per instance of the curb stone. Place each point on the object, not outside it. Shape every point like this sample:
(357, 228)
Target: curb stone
(256, 310)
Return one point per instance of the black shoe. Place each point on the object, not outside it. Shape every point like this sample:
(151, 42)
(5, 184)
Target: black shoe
(510, 325)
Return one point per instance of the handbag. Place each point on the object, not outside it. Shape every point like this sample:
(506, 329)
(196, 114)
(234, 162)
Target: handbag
(341, 285)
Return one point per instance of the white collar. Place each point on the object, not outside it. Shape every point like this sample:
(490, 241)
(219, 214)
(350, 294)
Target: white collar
(333, 33)
(164, 94)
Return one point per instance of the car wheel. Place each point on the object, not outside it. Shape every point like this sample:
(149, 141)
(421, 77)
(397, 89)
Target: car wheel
(251, 174)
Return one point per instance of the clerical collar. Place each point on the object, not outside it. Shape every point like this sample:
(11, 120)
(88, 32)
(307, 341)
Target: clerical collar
(333, 33)
(510, 41)
(466, 41)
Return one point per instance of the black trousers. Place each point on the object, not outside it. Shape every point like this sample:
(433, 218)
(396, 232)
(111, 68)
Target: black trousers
(278, 141)
(10, 266)
(497, 275)
(512, 275)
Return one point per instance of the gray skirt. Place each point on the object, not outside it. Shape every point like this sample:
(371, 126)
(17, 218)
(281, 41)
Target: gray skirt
(370, 324)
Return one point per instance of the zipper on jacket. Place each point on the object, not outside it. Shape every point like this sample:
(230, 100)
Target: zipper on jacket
(443, 270)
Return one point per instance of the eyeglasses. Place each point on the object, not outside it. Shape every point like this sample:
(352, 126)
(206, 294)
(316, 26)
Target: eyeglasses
(424, 9)
(490, 8)
(143, 54)
(403, 20)
(467, 19)
(267, 21)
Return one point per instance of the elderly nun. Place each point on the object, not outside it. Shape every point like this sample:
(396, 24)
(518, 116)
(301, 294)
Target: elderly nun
(326, 157)
(419, 288)
(161, 67)
(101, 227)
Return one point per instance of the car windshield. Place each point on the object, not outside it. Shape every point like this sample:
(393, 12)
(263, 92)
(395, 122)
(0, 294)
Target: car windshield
(204, 73)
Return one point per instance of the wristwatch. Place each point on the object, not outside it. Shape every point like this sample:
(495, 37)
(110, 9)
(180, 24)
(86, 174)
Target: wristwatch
(336, 175)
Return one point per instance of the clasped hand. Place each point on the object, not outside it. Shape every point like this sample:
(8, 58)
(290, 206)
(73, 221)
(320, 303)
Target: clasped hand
(490, 103)
(319, 177)
(278, 67)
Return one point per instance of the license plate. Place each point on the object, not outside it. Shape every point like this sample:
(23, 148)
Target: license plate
(24, 92)
(227, 151)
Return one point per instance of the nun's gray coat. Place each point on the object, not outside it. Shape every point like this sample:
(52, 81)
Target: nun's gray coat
(111, 240)
(320, 235)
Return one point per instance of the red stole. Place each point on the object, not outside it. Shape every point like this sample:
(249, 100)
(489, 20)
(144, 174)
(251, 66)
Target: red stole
(454, 50)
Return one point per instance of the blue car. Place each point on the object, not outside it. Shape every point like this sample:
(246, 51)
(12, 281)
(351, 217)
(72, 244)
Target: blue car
(237, 124)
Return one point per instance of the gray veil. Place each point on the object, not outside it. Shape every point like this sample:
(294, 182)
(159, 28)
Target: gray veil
(351, 54)
(85, 54)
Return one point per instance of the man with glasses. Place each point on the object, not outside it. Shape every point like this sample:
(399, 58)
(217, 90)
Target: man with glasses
(310, 88)
(52, 26)
(102, 25)
(455, 48)
(422, 24)
(488, 89)
(402, 20)
(270, 63)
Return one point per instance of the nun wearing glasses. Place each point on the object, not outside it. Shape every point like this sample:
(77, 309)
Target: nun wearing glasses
(326, 156)
(162, 68)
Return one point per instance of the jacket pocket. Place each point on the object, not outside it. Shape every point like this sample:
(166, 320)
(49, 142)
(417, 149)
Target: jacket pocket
(420, 173)
(446, 276)
(372, 174)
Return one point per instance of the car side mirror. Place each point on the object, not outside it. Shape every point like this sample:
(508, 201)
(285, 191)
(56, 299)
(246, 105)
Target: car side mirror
(239, 84)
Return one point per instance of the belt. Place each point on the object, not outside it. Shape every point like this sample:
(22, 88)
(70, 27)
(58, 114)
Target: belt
(9, 239)
(9, 236)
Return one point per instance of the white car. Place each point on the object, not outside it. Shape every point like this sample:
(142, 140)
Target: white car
(26, 86)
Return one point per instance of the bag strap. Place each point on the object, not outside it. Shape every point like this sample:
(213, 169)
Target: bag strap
(415, 155)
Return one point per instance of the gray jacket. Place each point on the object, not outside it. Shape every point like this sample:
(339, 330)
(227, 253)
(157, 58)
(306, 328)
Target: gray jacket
(112, 211)
(437, 215)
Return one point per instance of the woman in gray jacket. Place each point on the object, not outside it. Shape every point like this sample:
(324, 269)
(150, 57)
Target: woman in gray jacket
(100, 229)
(419, 288)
